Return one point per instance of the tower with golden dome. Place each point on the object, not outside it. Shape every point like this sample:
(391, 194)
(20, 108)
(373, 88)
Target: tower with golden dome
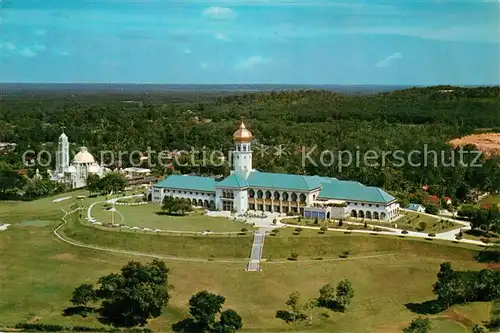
(242, 154)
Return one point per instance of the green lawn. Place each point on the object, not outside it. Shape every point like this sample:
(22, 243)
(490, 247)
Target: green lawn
(411, 221)
(444, 325)
(308, 244)
(38, 287)
(39, 273)
(151, 216)
(330, 224)
(491, 200)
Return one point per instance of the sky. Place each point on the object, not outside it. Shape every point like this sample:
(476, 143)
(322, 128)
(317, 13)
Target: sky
(398, 42)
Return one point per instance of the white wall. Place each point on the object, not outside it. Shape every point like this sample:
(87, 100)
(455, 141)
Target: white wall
(160, 193)
(391, 210)
(241, 201)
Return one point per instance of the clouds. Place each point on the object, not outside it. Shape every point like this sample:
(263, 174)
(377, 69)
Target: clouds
(219, 13)
(222, 37)
(9, 49)
(252, 62)
(389, 60)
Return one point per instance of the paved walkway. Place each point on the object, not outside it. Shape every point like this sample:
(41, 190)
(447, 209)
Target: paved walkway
(257, 247)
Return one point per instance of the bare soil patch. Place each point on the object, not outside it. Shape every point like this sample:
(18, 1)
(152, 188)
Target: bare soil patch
(488, 143)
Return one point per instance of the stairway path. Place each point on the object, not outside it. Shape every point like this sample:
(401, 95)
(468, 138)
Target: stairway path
(257, 247)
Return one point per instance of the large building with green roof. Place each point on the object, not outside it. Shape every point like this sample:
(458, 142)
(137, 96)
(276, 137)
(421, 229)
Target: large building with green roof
(247, 189)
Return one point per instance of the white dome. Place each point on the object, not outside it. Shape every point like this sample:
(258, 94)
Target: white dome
(83, 157)
(71, 169)
(94, 168)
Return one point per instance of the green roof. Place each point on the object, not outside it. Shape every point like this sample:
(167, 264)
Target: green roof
(236, 180)
(185, 182)
(350, 190)
(283, 181)
(331, 188)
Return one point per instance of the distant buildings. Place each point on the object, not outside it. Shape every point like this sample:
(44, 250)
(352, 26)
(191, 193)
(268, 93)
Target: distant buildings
(416, 208)
(7, 147)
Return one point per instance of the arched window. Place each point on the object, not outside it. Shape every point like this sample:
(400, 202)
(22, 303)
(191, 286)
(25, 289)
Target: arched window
(259, 194)
(251, 194)
(354, 213)
(285, 196)
(294, 196)
(361, 214)
(382, 216)
(276, 195)
(375, 215)
(302, 197)
(368, 215)
(268, 194)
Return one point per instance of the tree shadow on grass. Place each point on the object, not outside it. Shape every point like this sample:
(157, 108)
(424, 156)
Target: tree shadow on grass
(169, 214)
(188, 325)
(425, 308)
(78, 310)
(332, 305)
(491, 255)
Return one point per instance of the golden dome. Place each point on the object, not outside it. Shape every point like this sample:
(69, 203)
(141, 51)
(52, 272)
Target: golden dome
(242, 134)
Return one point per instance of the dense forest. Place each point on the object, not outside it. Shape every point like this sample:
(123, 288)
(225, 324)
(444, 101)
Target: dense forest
(298, 121)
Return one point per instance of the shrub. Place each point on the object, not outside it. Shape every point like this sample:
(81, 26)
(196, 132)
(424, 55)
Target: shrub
(275, 230)
(421, 226)
(377, 229)
(298, 229)
(432, 234)
(41, 327)
(316, 221)
(324, 228)
(244, 230)
(293, 256)
(365, 225)
(404, 232)
(341, 223)
(274, 221)
(344, 254)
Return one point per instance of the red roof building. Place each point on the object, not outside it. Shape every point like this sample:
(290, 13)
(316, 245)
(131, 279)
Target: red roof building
(433, 199)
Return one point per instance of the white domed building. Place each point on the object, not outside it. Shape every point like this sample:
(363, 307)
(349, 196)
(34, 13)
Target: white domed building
(82, 165)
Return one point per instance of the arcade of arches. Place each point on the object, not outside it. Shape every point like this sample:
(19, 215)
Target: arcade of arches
(276, 201)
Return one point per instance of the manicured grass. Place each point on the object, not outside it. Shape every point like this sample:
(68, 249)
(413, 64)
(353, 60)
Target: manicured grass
(204, 247)
(309, 244)
(443, 325)
(39, 273)
(151, 216)
(38, 276)
(491, 200)
(408, 221)
(411, 221)
(330, 224)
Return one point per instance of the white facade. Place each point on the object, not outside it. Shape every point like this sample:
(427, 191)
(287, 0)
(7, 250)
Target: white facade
(376, 211)
(237, 193)
(82, 165)
(62, 155)
(242, 157)
(197, 198)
